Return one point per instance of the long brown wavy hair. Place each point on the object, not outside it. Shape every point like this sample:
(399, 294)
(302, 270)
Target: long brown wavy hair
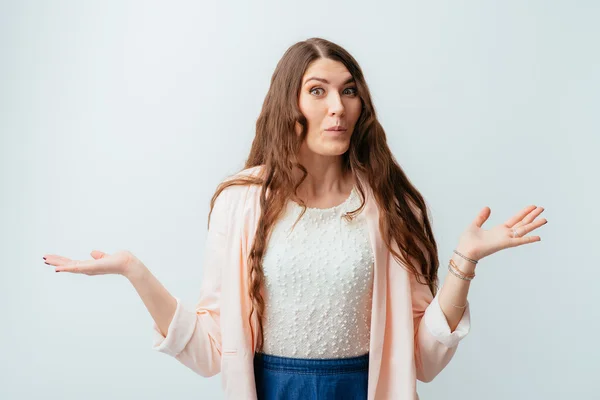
(403, 211)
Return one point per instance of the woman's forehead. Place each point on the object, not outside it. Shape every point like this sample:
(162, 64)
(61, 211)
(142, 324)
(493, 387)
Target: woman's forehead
(327, 69)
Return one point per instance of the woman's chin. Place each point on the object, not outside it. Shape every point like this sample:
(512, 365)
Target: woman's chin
(334, 149)
(329, 147)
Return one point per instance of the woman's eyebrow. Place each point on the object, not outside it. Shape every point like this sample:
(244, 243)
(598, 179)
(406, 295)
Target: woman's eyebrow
(351, 79)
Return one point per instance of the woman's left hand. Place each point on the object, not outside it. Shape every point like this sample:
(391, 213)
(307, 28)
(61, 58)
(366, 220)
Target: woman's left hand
(477, 243)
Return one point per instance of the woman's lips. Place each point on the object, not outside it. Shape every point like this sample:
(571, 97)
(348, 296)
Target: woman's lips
(330, 132)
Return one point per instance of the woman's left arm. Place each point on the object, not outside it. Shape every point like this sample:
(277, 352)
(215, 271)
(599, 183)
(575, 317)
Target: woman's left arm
(476, 243)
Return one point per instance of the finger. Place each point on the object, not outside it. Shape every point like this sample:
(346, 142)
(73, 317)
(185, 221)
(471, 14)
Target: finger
(97, 254)
(524, 240)
(529, 217)
(483, 216)
(525, 229)
(532, 215)
(77, 266)
(55, 257)
(512, 221)
(57, 260)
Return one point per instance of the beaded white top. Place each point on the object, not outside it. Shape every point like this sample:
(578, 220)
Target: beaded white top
(318, 283)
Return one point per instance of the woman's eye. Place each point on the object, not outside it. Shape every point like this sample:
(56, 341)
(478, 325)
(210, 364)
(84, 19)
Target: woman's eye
(353, 90)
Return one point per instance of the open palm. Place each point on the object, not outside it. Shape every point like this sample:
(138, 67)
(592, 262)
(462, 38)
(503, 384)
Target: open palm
(100, 264)
(481, 243)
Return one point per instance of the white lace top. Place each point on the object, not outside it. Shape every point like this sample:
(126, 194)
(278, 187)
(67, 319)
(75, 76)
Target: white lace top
(319, 283)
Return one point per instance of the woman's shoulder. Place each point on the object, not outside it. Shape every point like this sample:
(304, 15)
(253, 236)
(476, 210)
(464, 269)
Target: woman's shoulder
(242, 192)
(251, 171)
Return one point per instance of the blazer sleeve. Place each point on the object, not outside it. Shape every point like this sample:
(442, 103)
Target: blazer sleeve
(435, 345)
(194, 336)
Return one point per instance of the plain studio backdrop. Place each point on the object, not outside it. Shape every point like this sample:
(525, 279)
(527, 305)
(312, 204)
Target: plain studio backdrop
(119, 119)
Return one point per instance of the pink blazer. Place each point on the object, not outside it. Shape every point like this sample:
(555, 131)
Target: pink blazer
(410, 337)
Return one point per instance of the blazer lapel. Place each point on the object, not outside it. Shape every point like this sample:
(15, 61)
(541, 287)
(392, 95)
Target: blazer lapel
(378, 307)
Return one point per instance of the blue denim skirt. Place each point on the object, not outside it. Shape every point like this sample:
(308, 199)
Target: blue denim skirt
(279, 378)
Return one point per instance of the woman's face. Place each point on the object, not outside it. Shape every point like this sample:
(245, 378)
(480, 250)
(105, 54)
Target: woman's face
(328, 98)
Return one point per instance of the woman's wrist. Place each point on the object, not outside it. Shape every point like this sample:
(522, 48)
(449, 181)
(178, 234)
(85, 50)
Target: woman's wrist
(135, 271)
(465, 266)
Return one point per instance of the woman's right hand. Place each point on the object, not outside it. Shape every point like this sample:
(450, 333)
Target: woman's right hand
(122, 262)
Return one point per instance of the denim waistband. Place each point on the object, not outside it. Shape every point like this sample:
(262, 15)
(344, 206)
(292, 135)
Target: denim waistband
(316, 365)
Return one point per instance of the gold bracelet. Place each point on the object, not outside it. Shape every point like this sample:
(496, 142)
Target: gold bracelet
(458, 275)
(459, 271)
(461, 275)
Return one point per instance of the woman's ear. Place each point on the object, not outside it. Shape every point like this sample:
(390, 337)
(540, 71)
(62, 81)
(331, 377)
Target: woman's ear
(298, 128)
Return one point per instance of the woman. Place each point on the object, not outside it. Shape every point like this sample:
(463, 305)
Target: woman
(320, 269)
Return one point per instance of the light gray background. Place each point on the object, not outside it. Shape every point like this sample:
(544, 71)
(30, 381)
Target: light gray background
(118, 120)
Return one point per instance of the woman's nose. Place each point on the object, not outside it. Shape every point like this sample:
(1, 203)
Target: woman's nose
(336, 106)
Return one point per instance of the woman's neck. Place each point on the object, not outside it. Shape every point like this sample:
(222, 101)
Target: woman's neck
(325, 180)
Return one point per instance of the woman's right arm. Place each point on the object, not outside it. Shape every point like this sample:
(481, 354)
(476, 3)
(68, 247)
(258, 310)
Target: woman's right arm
(160, 303)
(192, 336)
